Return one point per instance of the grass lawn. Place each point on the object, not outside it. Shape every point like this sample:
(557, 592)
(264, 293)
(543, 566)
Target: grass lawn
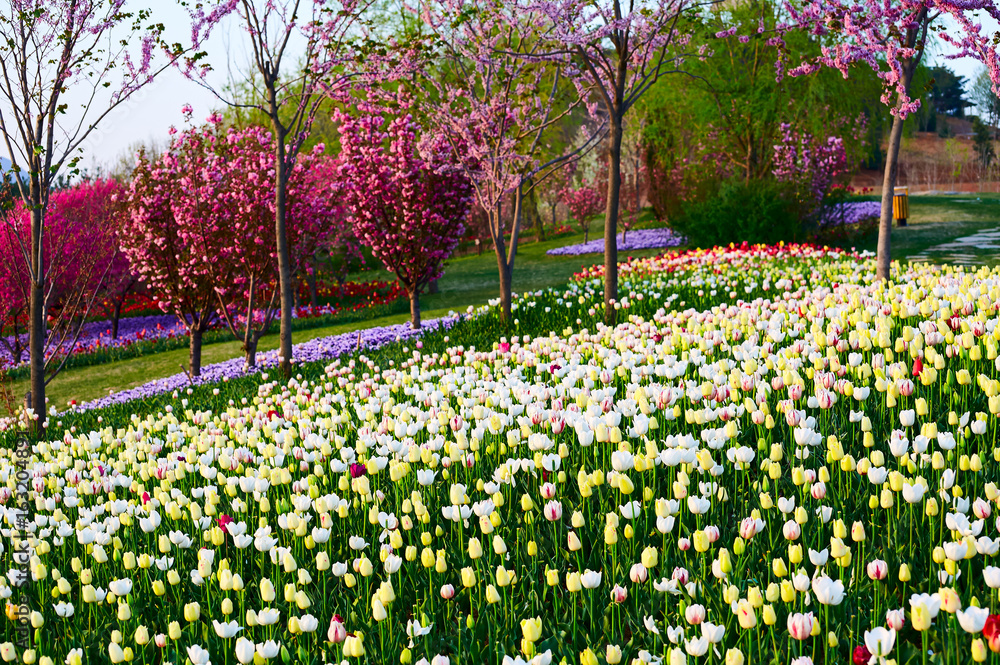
(469, 280)
(949, 229)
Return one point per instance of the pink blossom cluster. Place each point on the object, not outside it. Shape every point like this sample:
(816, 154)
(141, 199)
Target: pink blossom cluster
(201, 227)
(407, 196)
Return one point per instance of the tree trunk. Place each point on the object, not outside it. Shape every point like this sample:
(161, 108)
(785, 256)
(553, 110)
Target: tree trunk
(433, 287)
(883, 259)
(313, 291)
(505, 292)
(194, 353)
(505, 281)
(611, 218)
(415, 309)
(116, 316)
(284, 259)
(250, 351)
(36, 333)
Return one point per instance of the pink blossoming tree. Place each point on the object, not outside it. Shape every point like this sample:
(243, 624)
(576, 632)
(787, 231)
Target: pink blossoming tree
(407, 196)
(498, 94)
(583, 202)
(170, 238)
(291, 85)
(891, 37)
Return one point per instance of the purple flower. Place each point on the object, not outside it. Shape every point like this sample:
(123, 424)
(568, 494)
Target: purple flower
(851, 212)
(639, 239)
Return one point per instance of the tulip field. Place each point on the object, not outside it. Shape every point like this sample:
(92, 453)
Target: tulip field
(771, 458)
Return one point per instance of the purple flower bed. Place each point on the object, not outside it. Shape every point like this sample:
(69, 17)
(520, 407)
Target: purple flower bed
(638, 239)
(321, 348)
(97, 334)
(851, 212)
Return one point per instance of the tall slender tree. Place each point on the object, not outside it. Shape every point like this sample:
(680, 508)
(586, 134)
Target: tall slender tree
(500, 94)
(301, 52)
(624, 46)
(49, 49)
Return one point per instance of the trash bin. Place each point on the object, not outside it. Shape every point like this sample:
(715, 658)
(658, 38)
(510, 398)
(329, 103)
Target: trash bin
(901, 205)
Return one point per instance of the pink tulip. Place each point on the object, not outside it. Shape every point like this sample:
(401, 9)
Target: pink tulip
(878, 569)
(800, 625)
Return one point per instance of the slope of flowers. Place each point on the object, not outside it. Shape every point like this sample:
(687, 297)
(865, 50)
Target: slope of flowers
(803, 469)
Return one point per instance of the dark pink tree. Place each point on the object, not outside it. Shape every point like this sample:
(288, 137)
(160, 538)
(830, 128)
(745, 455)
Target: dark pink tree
(52, 51)
(407, 196)
(498, 94)
(172, 230)
(624, 48)
(291, 84)
(318, 222)
(227, 206)
(103, 202)
(80, 245)
(891, 37)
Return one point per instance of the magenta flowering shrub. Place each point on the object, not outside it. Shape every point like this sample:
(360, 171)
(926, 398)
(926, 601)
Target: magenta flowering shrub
(584, 202)
(407, 196)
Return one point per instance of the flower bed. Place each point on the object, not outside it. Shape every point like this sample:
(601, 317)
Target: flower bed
(142, 335)
(771, 457)
(633, 240)
(315, 350)
(850, 213)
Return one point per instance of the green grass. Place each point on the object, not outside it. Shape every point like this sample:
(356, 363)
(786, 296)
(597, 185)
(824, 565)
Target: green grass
(949, 229)
(469, 280)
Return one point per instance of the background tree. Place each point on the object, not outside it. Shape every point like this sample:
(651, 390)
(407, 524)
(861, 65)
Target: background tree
(982, 141)
(79, 244)
(48, 49)
(987, 102)
(169, 244)
(407, 196)
(948, 92)
(318, 221)
(497, 96)
(584, 201)
(725, 119)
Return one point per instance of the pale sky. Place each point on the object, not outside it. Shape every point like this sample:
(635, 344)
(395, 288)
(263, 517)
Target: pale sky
(148, 115)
